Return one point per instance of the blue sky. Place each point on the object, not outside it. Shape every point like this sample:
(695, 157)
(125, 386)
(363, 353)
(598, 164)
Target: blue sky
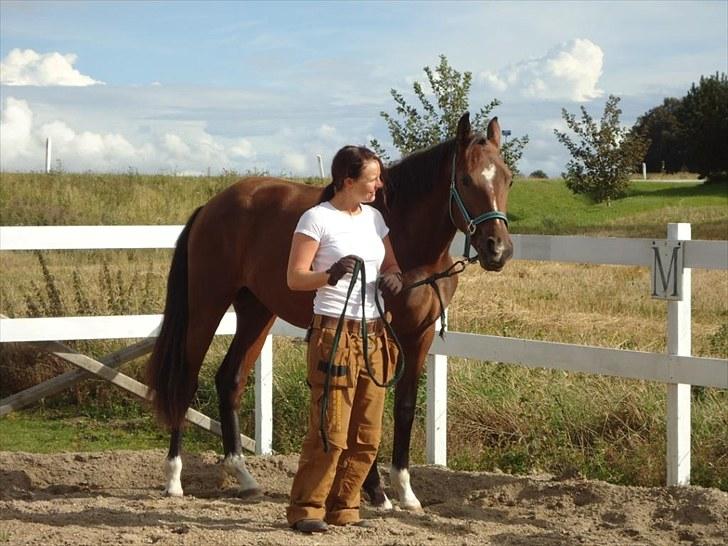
(185, 86)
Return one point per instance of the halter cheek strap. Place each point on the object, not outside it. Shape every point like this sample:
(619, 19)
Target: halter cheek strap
(470, 223)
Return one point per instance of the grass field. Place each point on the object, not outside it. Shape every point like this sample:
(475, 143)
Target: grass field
(500, 416)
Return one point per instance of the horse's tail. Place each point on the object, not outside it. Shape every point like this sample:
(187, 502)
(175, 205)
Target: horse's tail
(166, 372)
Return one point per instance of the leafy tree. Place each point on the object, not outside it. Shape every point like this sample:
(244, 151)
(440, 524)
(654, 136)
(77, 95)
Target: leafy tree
(691, 132)
(604, 155)
(538, 174)
(412, 129)
(704, 120)
(662, 126)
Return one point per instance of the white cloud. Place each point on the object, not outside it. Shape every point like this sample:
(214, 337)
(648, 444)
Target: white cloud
(175, 146)
(26, 67)
(16, 126)
(187, 149)
(295, 162)
(569, 71)
(242, 148)
(327, 132)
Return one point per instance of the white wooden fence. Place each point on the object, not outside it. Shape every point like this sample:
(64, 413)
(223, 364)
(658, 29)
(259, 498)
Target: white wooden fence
(677, 369)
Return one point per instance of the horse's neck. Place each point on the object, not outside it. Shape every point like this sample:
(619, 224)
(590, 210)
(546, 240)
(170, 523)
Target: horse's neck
(422, 230)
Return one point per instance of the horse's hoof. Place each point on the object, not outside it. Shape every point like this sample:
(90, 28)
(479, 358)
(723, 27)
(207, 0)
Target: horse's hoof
(173, 492)
(379, 501)
(414, 507)
(250, 494)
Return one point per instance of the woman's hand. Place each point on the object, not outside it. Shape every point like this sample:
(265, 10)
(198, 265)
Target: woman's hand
(391, 283)
(341, 267)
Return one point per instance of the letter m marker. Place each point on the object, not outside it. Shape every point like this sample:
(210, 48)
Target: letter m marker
(667, 270)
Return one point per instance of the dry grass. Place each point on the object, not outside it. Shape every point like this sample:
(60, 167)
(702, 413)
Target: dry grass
(605, 306)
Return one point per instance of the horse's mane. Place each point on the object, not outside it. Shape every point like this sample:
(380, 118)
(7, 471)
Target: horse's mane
(417, 173)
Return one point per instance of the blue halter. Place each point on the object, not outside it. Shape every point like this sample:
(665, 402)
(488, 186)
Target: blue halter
(471, 223)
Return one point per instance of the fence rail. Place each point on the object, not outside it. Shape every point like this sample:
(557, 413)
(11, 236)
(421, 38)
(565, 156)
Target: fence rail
(677, 369)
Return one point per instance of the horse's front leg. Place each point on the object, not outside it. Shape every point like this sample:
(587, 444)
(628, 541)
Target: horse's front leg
(415, 314)
(405, 401)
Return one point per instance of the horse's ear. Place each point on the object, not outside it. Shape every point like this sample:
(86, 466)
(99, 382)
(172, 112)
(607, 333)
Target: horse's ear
(463, 133)
(494, 132)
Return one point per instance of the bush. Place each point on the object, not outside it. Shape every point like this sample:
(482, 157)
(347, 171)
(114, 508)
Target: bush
(604, 155)
(538, 174)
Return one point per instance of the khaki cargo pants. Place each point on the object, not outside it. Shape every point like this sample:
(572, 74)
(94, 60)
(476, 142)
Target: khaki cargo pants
(327, 485)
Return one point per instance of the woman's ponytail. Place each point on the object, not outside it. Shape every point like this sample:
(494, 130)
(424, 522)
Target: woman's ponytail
(327, 193)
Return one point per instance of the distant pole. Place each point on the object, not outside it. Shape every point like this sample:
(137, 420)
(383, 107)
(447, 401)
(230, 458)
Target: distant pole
(48, 155)
(321, 165)
(644, 171)
(506, 133)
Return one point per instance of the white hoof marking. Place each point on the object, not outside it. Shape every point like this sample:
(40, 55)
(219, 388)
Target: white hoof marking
(400, 480)
(173, 473)
(235, 466)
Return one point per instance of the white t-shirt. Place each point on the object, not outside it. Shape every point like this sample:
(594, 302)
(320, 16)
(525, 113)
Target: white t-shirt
(340, 234)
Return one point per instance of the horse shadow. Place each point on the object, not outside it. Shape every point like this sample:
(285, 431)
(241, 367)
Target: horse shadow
(465, 497)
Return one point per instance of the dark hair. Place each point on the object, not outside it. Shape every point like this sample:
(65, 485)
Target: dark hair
(347, 163)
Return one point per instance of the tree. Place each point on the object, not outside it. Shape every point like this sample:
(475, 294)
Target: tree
(412, 129)
(604, 156)
(691, 132)
(704, 120)
(662, 126)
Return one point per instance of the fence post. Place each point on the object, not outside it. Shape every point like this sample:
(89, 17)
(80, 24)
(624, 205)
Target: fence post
(437, 407)
(48, 155)
(679, 332)
(264, 399)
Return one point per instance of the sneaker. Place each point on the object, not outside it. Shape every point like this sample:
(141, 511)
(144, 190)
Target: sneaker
(311, 526)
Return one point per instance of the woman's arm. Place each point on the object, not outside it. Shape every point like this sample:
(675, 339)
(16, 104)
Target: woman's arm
(389, 264)
(299, 275)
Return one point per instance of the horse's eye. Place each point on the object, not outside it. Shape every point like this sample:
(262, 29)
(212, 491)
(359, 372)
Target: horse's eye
(467, 180)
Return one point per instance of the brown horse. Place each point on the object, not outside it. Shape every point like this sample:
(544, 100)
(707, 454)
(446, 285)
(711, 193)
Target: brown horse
(234, 250)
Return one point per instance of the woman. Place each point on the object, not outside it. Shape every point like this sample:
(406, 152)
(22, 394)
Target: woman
(327, 242)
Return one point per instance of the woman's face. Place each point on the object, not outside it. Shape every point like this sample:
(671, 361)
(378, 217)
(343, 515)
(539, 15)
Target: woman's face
(365, 187)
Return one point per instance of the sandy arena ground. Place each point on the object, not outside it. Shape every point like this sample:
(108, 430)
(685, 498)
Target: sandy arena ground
(115, 498)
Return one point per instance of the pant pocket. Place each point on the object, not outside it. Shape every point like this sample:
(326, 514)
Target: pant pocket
(383, 353)
(320, 347)
(391, 357)
(368, 436)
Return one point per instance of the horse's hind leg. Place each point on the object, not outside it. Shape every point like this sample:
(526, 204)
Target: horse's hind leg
(206, 313)
(253, 323)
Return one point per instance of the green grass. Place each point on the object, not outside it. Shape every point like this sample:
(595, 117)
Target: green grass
(64, 429)
(535, 206)
(105, 199)
(548, 207)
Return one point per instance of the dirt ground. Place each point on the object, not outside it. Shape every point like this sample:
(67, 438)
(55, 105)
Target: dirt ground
(115, 498)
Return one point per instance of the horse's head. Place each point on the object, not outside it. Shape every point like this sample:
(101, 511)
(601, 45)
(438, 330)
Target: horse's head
(479, 193)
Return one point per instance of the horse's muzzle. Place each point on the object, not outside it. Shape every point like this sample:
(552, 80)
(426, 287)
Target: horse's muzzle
(496, 252)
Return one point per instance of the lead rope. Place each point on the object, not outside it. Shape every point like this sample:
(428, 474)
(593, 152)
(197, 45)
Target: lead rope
(359, 271)
(455, 269)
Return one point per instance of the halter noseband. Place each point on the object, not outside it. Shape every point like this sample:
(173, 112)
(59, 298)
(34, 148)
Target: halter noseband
(471, 223)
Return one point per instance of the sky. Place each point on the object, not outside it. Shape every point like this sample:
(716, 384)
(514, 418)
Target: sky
(192, 87)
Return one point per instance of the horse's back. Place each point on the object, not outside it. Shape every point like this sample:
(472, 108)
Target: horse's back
(267, 195)
(242, 238)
